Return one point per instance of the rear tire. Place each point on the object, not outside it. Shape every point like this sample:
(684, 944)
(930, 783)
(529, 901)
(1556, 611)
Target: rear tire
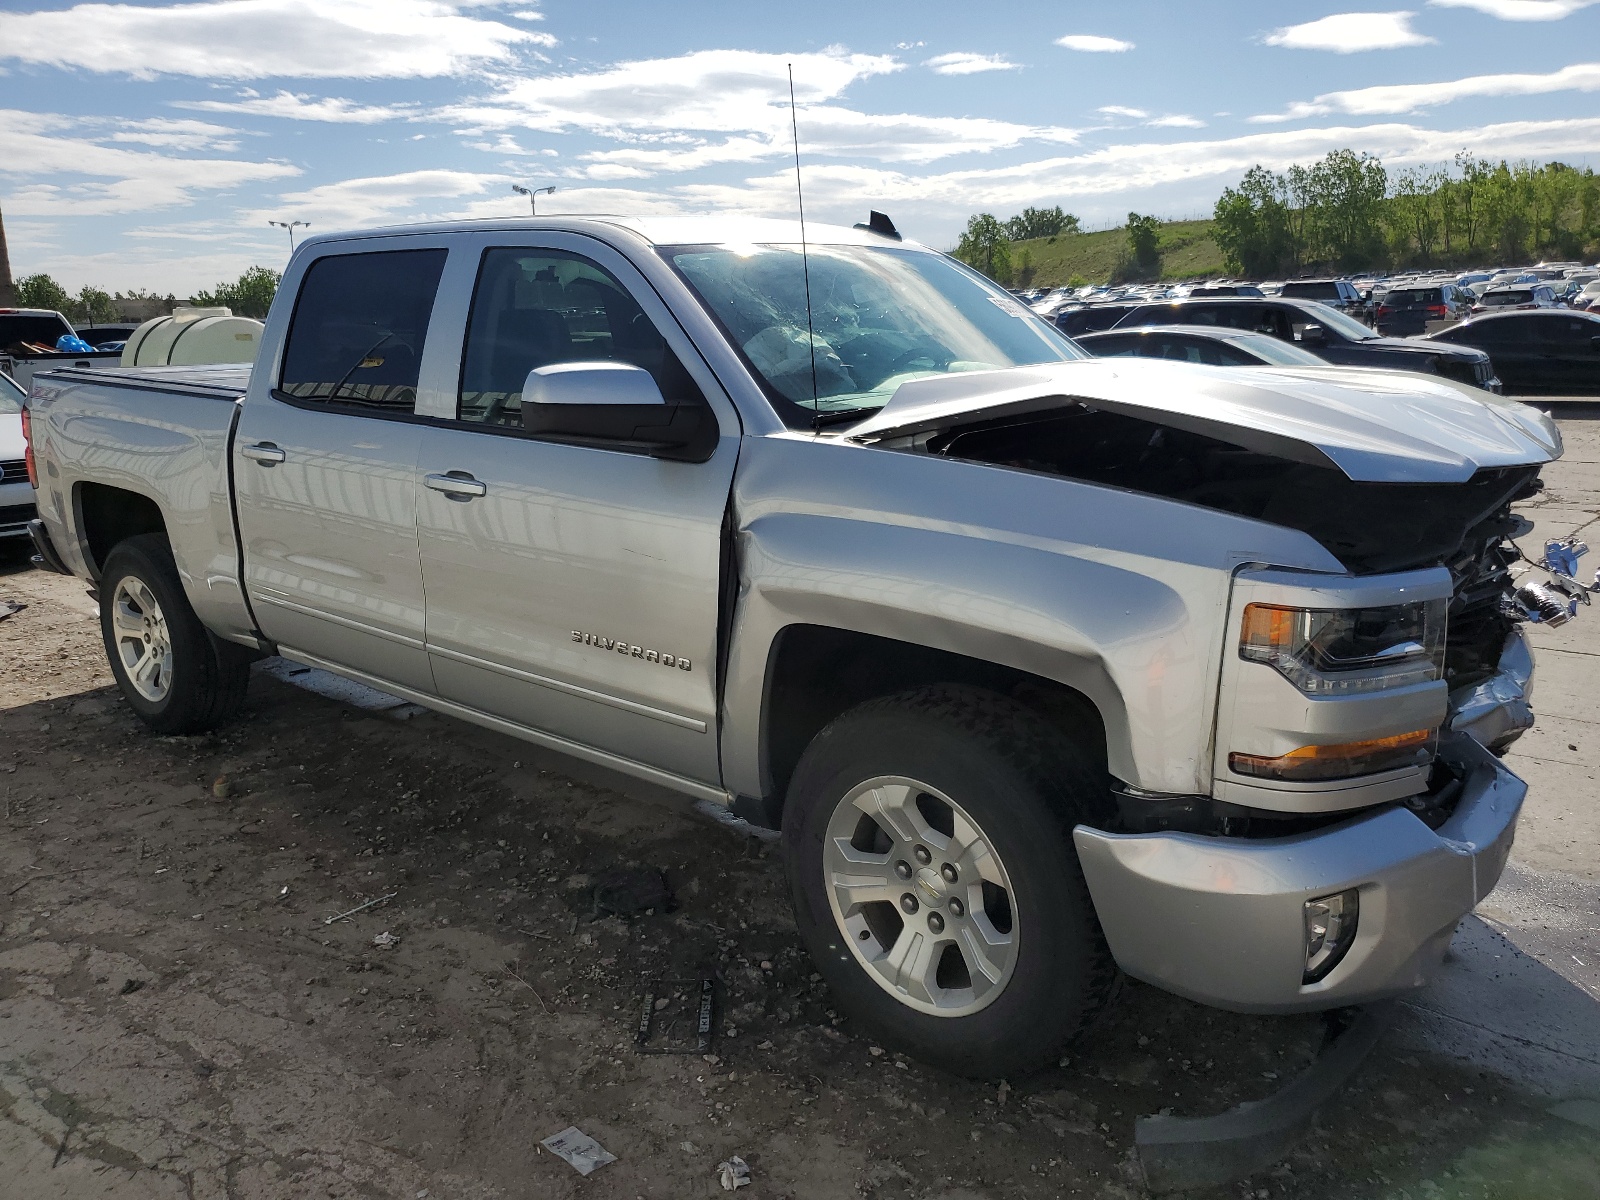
(928, 840)
(173, 673)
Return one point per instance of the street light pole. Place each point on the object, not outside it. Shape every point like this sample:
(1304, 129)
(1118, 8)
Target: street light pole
(530, 193)
(291, 226)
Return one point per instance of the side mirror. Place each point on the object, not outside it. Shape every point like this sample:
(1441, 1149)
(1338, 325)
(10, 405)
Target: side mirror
(617, 404)
(1313, 335)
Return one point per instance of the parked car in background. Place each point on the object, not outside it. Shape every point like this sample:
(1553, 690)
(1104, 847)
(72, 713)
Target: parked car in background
(28, 338)
(1406, 310)
(16, 494)
(107, 336)
(1337, 293)
(1203, 344)
(1325, 331)
(1091, 317)
(1589, 297)
(1530, 295)
(1553, 350)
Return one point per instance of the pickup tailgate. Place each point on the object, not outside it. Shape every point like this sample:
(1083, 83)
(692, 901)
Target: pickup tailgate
(130, 450)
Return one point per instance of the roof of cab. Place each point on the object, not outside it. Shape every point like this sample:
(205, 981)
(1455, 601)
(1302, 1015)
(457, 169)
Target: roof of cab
(659, 231)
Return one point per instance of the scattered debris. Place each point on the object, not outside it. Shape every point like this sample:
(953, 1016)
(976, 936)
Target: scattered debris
(386, 941)
(530, 987)
(221, 787)
(10, 608)
(628, 893)
(361, 908)
(735, 1173)
(130, 986)
(46, 875)
(654, 1017)
(284, 891)
(578, 1148)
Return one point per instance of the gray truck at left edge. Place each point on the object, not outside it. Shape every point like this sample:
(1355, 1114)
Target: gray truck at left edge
(1047, 667)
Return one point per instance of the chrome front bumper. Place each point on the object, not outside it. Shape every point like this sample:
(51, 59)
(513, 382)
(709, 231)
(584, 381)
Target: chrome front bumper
(1220, 920)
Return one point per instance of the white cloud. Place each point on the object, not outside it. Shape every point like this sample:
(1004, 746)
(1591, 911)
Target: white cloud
(296, 107)
(724, 91)
(409, 195)
(1117, 110)
(730, 106)
(257, 39)
(79, 175)
(1093, 44)
(1348, 33)
(168, 133)
(1177, 121)
(1387, 99)
(1520, 10)
(961, 62)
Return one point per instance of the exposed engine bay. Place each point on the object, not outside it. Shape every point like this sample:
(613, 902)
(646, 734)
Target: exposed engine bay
(1371, 528)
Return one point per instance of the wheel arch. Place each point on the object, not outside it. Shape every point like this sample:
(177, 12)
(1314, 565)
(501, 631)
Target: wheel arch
(105, 515)
(814, 673)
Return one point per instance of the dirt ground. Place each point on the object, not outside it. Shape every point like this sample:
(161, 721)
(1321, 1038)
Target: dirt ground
(177, 1019)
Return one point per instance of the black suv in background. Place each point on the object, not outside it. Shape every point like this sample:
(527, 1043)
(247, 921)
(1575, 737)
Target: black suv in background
(1326, 332)
(1338, 293)
(1545, 351)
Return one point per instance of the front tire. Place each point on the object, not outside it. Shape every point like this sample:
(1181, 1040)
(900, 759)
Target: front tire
(928, 840)
(172, 672)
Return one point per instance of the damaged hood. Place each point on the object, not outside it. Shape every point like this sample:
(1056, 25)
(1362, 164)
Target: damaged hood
(1373, 425)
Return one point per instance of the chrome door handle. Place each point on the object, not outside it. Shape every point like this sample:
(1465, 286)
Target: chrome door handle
(264, 453)
(456, 485)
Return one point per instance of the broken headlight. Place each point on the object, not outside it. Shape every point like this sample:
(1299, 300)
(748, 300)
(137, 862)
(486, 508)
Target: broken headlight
(1334, 652)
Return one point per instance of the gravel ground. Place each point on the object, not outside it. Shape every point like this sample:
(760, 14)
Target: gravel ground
(178, 1020)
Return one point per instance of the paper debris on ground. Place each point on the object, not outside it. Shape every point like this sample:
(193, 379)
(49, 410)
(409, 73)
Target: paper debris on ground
(733, 1174)
(578, 1148)
(386, 941)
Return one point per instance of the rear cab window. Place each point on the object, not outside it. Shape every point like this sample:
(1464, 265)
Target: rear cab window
(359, 328)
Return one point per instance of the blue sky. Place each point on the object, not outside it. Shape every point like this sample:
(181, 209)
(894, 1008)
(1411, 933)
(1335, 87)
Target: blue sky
(147, 145)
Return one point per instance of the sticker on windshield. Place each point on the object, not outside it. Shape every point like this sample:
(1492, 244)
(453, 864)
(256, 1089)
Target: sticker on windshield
(1007, 305)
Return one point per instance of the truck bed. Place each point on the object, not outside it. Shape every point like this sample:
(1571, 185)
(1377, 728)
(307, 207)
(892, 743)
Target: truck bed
(163, 434)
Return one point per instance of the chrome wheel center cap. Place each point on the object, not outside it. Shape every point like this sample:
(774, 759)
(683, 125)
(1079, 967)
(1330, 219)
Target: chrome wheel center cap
(931, 887)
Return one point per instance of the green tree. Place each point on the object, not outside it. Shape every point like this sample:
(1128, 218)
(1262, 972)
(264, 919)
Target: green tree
(1346, 211)
(91, 306)
(1040, 222)
(1413, 215)
(40, 291)
(1144, 243)
(985, 247)
(1254, 225)
(248, 296)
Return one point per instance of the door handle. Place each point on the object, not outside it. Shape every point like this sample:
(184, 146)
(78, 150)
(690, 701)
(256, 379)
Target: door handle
(458, 485)
(264, 453)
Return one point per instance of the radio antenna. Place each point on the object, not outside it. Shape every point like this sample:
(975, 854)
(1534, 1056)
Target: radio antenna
(805, 261)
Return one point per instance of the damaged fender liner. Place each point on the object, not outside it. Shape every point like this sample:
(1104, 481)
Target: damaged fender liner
(1369, 527)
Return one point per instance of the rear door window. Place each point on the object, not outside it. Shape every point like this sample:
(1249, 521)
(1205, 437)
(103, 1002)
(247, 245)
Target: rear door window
(359, 327)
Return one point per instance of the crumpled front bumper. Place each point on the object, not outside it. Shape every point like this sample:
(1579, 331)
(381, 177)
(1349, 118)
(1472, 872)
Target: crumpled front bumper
(1499, 710)
(1221, 920)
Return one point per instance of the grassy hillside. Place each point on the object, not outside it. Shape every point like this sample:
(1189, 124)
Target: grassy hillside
(1187, 250)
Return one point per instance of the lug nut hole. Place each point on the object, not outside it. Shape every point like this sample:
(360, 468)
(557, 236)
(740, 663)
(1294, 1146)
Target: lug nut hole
(903, 869)
(908, 903)
(935, 922)
(923, 856)
(949, 872)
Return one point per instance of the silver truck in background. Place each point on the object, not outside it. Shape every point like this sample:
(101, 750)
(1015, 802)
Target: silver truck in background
(1045, 666)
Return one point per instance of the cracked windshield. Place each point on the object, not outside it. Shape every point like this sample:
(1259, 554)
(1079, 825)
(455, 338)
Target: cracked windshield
(879, 318)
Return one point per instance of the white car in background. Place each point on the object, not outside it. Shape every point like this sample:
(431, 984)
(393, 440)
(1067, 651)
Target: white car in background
(16, 493)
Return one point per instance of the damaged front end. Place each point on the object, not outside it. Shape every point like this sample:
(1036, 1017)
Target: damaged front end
(1389, 475)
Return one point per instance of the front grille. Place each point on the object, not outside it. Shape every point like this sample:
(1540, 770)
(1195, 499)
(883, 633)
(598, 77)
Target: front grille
(14, 470)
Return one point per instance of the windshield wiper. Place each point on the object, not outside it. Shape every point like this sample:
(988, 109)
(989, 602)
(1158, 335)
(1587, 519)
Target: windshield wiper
(844, 416)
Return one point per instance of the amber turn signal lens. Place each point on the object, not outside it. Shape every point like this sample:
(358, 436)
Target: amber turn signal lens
(1344, 760)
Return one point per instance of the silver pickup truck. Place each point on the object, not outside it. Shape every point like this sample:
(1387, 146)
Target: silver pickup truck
(1045, 666)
